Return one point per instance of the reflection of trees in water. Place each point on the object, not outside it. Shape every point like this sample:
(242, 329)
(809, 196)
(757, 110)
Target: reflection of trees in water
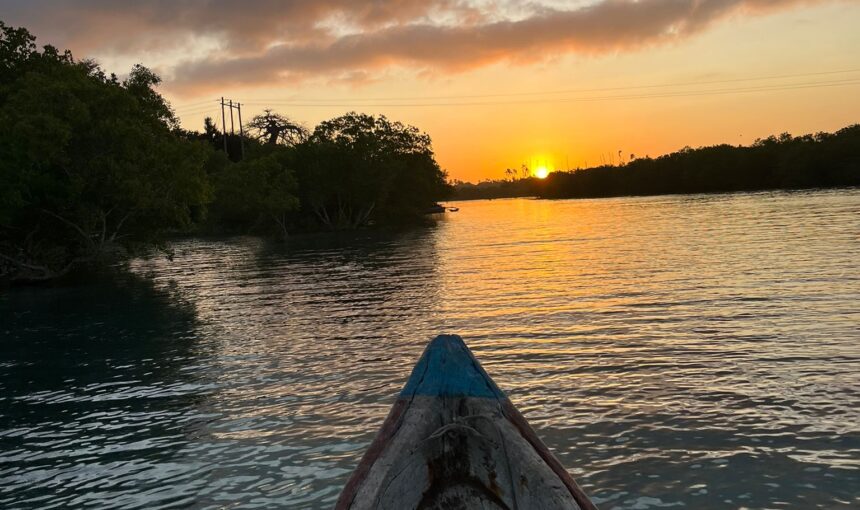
(386, 276)
(320, 281)
(304, 335)
(93, 387)
(84, 332)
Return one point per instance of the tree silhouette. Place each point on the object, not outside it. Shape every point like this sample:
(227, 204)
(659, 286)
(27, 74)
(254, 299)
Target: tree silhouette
(95, 169)
(210, 131)
(273, 128)
(91, 166)
(359, 168)
(822, 160)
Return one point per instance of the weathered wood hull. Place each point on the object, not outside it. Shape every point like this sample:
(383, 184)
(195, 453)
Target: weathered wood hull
(454, 440)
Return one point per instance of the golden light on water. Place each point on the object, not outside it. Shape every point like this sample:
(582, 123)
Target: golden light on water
(541, 172)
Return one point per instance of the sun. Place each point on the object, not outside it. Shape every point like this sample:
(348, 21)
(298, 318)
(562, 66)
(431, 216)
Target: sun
(541, 172)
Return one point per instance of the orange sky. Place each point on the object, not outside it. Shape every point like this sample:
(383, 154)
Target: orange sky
(495, 83)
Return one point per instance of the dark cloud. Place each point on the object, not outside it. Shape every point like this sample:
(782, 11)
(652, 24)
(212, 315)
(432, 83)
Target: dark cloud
(267, 40)
(99, 25)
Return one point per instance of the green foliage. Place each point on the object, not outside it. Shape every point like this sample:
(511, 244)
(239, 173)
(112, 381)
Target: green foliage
(92, 167)
(784, 162)
(823, 160)
(350, 172)
(255, 194)
(358, 168)
(88, 165)
(141, 84)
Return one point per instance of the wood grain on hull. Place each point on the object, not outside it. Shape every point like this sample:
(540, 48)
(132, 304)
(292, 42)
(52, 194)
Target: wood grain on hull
(453, 440)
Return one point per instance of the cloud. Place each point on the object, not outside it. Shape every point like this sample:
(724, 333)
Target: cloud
(263, 41)
(128, 25)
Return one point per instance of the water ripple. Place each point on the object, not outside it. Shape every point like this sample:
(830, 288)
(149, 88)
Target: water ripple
(697, 351)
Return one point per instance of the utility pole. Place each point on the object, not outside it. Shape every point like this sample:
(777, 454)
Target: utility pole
(241, 130)
(232, 131)
(223, 126)
(237, 106)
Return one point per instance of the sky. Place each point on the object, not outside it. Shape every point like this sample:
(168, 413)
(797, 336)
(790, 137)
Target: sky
(496, 83)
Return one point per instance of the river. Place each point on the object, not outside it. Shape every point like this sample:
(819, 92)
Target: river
(677, 351)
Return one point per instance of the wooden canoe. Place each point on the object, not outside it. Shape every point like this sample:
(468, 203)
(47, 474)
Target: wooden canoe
(453, 440)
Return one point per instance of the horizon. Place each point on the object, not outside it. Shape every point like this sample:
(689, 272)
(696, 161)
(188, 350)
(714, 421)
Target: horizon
(494, 84)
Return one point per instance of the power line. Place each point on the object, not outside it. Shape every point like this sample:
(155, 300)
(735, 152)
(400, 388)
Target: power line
(202, 106)
(688, 93)
(580, 90)
(196, 103)
(192, 108)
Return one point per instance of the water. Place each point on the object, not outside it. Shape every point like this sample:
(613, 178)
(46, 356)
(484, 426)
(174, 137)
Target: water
(689, 351)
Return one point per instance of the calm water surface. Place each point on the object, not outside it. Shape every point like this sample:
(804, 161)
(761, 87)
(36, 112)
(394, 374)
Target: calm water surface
(694, 351)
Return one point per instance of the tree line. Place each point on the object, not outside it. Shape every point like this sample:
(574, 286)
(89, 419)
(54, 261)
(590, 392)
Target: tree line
(821, 160)
(94, 168)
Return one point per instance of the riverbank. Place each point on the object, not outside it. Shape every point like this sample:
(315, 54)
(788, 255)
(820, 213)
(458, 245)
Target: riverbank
(114, 175)
(784, 162)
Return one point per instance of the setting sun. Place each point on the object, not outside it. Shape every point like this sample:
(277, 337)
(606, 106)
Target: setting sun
(541, 172)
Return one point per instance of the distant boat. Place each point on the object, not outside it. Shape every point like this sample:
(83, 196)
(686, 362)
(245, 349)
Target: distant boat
(454, 440)
(453, 209)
